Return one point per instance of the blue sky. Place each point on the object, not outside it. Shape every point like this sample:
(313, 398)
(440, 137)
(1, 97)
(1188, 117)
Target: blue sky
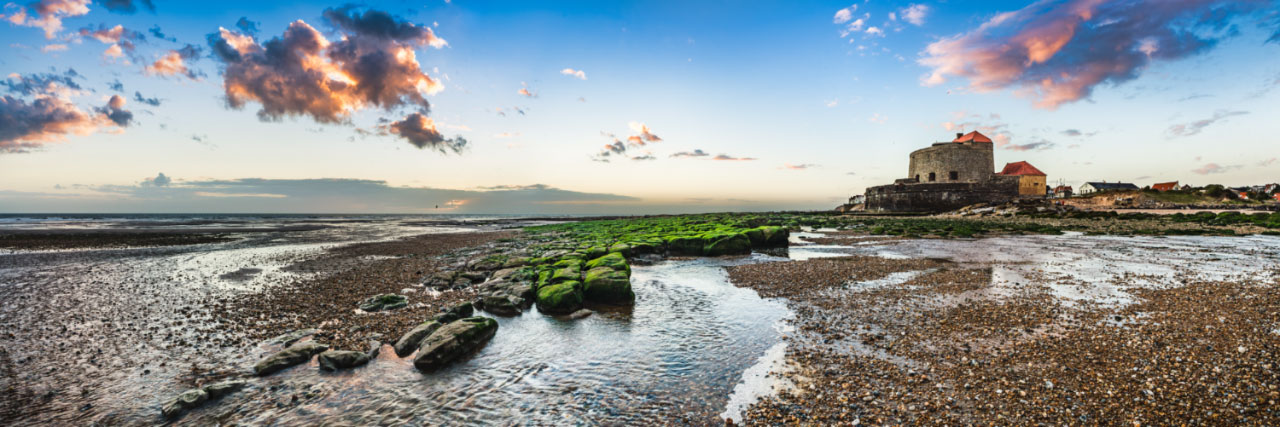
(808, 102)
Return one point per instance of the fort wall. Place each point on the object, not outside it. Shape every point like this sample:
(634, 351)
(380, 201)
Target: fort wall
(952, 162)
(941, 197)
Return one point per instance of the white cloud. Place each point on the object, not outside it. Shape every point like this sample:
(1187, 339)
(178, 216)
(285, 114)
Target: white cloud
(578, 74)
(915, 14)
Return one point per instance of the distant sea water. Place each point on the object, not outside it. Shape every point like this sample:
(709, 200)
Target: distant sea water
(215, 222)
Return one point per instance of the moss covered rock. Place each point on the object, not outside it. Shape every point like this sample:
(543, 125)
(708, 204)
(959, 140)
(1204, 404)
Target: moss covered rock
(295, 354)
(730, 244)
(613, 260)
(686, 245)
(558, 298)
(412, 339)
(384, 302)
(608, 286)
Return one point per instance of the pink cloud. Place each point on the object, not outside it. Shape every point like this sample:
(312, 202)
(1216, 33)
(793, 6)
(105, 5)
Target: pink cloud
(1058, 52)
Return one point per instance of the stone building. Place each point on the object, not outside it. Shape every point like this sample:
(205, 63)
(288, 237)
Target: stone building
(1031, 182)
(947, 176)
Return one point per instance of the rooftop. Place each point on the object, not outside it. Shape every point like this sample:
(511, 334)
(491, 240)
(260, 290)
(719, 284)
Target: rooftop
(974, 136)
(1019, 168)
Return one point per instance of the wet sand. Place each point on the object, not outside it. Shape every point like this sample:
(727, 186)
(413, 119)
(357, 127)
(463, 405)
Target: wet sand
(909, 341)
(344, 276)
(80, 239)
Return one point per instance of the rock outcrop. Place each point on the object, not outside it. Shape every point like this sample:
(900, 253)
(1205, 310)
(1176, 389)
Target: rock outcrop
(384, 302)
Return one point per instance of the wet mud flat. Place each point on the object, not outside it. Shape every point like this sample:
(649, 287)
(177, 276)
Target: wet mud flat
(107, 334)
(1074, 330)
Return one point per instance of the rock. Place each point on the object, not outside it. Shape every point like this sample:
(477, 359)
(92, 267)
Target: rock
(384, 302)
(686, 245)
(334, 360)
(293, 355)
(515, 262)
(192, 399)
(441, 280)
(613, 260)
(473, 276)
(621, 248)
(768, 236)
(730, 244)
(456, 312)
(487, 264)
(608, 286)
(558, 298)
(505, 273)
(580, 314)
(453, 341)
(412, 339)
(595, 252)
(502, 304)
(186, 401)
(223, 388)
(292, 337)
(571, 272)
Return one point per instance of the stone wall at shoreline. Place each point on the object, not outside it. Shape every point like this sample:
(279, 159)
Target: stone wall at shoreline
(940, 197)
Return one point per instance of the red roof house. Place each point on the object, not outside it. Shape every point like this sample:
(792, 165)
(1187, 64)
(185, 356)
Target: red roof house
(1019, 168)
(1165, 186)
(974, 136)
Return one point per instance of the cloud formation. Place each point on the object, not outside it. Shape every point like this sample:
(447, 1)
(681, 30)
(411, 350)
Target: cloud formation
(728, 158)
(1058, 51)
(44, 113)
(915, 14)
(158, 181)
(694, 153)
(420, 130)
(801, 166)
(119, 39)
(1032, 146)
(1192, 128)
(174, 63)
(578, 74)
(154, 102)
(127, 6)
(45, 14)
(1213, 168)
(302, 73)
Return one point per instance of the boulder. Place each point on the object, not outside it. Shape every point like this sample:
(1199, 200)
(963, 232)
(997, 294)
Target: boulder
(488, 264)
(412, 339)
(472, 276)
(293, 355)
(384, 302)
(193, 398)
(334, 360)
(558, 298)
(686, 245)
(505, 273)
(772, 237)
(580, 314)
(502, 304)
(456, 312)
(453, 341)
(613, 260)
(608, 286)
(728, 244)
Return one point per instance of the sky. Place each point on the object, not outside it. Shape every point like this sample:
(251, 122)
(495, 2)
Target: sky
(612, 107)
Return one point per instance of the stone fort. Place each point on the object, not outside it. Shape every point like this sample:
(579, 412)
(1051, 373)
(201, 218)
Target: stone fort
(951, 175)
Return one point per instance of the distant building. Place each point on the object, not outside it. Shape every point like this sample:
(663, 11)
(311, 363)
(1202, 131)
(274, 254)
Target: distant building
(1276, 196)
(1270, 188)
(1165, 186)
(1094, 187)
(858, 199)
(1061, 191)
(946, 176)
(1031, 181)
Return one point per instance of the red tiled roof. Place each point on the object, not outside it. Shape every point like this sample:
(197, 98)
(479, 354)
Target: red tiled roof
(1165, 186)
(974, 136)
(1020, 168)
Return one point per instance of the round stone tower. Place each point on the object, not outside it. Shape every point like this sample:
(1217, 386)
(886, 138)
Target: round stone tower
(969, 158)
